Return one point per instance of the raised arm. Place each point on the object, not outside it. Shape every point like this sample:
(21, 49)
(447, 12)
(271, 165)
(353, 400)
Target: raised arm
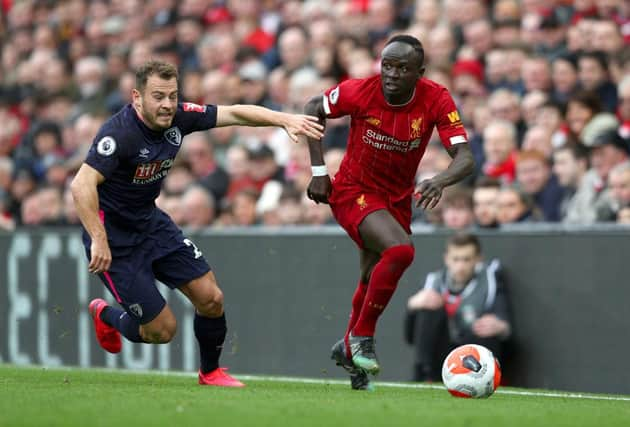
(85, 195)
(320, 186)
(254, 115)
(429, 191)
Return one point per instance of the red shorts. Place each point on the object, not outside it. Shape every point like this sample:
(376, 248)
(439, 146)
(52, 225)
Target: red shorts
(351, 203)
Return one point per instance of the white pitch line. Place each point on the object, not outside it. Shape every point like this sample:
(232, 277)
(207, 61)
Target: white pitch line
(299, 380)
(567, 395)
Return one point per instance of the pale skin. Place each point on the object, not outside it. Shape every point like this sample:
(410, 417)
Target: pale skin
(460, 262)
(156, 105)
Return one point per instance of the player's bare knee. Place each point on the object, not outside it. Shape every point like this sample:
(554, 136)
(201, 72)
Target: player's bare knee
(161, 333)
(212, 305)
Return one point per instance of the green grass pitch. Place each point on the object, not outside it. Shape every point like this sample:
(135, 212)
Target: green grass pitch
(74, 397)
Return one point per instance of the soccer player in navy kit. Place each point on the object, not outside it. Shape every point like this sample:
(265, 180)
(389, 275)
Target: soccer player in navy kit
(130, 242)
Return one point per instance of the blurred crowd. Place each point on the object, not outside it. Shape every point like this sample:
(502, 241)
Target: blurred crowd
(543, 87)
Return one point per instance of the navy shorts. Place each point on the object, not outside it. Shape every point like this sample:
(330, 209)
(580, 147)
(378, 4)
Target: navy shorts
(169, 257)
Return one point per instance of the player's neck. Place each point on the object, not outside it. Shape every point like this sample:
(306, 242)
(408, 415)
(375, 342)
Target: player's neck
(399, 101)
(143, 120)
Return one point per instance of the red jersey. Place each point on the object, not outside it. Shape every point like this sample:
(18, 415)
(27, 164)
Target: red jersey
(386, 142)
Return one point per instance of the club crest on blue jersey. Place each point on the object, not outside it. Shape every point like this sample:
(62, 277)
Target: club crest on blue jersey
(173, 136)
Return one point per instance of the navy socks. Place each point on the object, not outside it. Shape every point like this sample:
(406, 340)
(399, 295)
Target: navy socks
(122, 322)
(210, 333)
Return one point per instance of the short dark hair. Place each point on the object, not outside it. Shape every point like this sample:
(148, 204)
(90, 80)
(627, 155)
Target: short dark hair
(411, 41)
(485, 181)
(164, 70)
(587, 98)
(577, 150)
(464, 239)
(598, 56)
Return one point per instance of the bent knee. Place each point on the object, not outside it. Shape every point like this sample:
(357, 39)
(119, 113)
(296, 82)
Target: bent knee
(402, 255)
(212, 304)
(159, 334)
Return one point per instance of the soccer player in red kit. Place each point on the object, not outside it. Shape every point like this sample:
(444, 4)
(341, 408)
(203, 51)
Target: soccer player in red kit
(393, 115)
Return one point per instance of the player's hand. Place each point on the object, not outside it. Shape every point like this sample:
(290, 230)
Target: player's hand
(428, 193)
(300, 124)
(425, 299)
(319, 189)
(489, 325)
(101, 256)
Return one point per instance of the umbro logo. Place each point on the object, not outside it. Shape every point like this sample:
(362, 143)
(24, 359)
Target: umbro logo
(144, 153)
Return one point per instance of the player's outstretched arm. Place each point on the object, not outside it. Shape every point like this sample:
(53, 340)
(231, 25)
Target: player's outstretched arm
(85, 197)
(254, 115)
(320, 185)
(429, 191)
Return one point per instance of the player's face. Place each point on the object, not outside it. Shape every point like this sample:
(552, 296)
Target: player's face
(400, 70)
(460, 262)
(157, 103)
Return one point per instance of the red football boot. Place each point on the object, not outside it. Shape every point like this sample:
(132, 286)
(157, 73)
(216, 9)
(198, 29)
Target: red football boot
(219, 378)
(107, 336)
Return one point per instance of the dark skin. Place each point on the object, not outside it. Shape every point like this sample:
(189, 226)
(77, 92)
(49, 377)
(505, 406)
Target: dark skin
(401, 67)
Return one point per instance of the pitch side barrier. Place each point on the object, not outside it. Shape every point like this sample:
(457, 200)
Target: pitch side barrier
(288, 293)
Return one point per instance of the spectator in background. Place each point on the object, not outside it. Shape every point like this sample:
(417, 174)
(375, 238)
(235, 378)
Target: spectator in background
(90, 77)
(293, 48)
(536, 74)
(607, 37)
(499, 146)
(623, 216)
(530, 106)
(593, 76)
(465, 302)
(619, 187)
(42, 207)
(538, 138)
(198, 208)
(457, 208)
(243, 208)
(607, 149)
(570, 164)
(198, 154)
(534, 176)
(564, 76)
(515, 206)
(485, 196)
(623, 112)
(253, 87)
(581, 108)
(506, 105)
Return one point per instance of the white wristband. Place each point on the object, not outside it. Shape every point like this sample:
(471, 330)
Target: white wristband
(321, 170)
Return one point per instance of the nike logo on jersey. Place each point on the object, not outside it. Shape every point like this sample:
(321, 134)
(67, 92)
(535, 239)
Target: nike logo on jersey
(144, 153)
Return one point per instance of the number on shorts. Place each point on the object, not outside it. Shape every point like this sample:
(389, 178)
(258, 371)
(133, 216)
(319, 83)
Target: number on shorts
(189, 242)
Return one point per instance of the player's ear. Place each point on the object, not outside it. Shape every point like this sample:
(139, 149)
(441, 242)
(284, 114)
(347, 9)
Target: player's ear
(421, 71)
(136, 97)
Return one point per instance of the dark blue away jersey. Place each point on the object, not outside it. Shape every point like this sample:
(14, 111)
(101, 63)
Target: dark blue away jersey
(134, 160)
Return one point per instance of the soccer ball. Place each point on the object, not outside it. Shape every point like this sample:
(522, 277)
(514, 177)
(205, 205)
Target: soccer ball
(471, 371)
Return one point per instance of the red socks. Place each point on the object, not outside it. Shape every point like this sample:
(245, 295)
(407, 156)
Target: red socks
(357, 303)
(385, 276)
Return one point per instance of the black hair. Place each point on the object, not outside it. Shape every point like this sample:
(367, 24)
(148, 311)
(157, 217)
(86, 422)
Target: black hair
(577, 150)
(598, 56)
(411, 41)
